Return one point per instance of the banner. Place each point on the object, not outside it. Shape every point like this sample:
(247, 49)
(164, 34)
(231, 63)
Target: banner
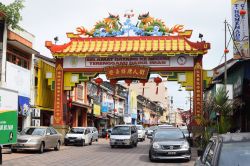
(133, 104)
(97, 110)
(240, 27)
(8, 116)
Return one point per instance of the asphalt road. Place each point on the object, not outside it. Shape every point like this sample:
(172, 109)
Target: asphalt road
(97, 154)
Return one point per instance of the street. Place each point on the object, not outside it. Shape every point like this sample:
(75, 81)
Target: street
(99, 153)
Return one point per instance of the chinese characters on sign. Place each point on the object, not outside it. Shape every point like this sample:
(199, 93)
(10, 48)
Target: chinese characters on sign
(136, 72)
(198, 91)
(58, 93)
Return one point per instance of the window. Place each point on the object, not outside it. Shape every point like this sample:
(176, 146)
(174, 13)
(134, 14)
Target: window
(206, 152)
(18, 60)
(53, 131)
(210, 155)
(235, 153)
(48, 131)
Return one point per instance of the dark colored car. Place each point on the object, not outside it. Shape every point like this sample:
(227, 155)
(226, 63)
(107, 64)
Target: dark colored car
(169, 143)
(232, 149)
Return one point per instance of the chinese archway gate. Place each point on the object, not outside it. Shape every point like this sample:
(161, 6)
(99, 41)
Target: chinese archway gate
(109, 49)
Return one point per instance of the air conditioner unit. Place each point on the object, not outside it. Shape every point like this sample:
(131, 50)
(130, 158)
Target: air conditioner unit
(36, 113)
(35, 122)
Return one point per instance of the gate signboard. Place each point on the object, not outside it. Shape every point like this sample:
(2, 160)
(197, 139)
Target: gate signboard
(8, 116)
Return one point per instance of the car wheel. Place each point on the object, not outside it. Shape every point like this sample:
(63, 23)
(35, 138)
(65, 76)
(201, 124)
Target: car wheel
(97, 140)
(41, 149)
(90, 143)
(150, 158)
(13, 150)
(65, 144)
(57, 148)
(83, 143)
(135, 144)
(112, 146)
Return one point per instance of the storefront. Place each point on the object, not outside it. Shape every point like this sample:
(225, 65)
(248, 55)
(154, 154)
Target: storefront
(78, 115)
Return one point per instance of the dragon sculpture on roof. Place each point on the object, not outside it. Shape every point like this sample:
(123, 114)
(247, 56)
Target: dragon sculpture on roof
(109, 26)
(146, 26)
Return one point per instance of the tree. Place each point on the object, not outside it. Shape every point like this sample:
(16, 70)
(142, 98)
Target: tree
(12, 13)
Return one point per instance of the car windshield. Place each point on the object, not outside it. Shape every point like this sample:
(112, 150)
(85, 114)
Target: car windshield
(152, 127)
(76, 131)
(121, 130)
(33, 131)
(236, 153)
(168, 134)
(139, 127)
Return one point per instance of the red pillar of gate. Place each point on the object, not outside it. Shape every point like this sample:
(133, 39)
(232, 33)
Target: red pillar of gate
(198, 90)
(60, 102)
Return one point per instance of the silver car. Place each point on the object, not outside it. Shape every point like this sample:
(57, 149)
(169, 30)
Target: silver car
(94, 133)
(38, 138)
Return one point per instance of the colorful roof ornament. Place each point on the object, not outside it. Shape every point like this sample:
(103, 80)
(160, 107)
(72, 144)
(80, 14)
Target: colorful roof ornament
(145, 26)
(148, 36)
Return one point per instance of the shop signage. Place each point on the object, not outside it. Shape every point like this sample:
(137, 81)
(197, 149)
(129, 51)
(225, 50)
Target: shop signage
(134, 72)
(240, 25)
(97, 110)
(149, 61)
(8, 116)
(198, 91)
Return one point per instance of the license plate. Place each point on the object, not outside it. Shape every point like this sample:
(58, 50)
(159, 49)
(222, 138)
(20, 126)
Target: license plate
(71, 140)
(171, 153)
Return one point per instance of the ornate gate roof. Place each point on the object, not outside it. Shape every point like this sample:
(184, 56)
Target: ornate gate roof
(108, 38)
(126, 46)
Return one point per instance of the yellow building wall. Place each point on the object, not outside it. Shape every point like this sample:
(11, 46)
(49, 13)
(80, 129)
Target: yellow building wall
(45, 96)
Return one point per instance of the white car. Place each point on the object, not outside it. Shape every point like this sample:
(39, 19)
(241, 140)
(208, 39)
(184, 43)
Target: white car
(141, 132)
(94, 133)
(78, 135)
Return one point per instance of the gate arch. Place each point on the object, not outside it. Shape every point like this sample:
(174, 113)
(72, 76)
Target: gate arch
(158, 49)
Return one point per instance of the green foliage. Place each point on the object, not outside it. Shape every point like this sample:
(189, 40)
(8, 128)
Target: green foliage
(213, 105)
(12, 12)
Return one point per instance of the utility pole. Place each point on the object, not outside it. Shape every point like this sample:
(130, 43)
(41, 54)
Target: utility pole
(190, 109)
(225, 54)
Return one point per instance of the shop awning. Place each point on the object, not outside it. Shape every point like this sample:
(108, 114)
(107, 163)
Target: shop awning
(45, 109)
(22, 46)
(80, 105)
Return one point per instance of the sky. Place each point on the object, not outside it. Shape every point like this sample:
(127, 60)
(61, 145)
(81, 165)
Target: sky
(47, 19)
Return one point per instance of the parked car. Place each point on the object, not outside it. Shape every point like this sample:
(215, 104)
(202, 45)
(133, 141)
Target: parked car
(226, 150)
(188, 135)
(78, 136)
(150, 131)
(38, 138)
(169, 143)
(124, 135)
(94, 133)
(141, 132)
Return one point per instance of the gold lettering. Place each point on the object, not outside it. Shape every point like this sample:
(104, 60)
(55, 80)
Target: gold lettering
(130, 71)
(135, 72)
(117, 71)
(123, 71)
(111, 72)
(142, 71)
